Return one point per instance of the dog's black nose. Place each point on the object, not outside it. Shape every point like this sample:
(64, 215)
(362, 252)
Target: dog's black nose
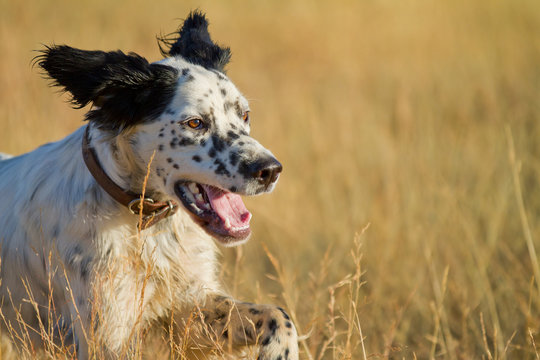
(266, 171)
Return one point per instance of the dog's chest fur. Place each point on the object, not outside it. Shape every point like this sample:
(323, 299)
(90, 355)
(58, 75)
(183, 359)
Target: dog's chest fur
(81, 232)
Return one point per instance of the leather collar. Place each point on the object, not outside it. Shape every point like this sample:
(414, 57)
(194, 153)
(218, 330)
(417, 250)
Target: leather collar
(152, 211)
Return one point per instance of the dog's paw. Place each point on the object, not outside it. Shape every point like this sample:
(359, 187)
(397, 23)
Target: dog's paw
(279, 341)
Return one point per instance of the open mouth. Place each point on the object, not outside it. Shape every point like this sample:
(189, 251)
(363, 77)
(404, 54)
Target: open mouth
(221, 213)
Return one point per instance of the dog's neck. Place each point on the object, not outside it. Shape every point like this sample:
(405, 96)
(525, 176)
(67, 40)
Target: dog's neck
(119, 161)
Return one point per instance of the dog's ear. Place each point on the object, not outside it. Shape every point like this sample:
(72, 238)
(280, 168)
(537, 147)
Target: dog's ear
(125, 89)
(194, 44)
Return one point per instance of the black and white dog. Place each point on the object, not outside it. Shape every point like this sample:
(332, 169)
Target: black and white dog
(86, 260)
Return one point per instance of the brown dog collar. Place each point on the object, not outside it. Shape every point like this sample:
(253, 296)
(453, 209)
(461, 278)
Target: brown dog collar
(152, 211)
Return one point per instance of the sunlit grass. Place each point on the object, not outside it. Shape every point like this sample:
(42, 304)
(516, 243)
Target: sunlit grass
(389, 113)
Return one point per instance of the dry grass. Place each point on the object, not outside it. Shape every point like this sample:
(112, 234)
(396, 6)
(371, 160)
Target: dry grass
(420, 118)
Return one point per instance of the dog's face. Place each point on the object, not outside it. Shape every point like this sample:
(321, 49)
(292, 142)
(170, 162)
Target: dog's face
(204, 154)
(184, 110)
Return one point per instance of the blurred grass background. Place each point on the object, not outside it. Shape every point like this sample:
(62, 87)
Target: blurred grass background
(395, 114)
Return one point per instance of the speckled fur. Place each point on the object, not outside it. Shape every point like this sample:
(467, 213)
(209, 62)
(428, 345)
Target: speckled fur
(65, 242)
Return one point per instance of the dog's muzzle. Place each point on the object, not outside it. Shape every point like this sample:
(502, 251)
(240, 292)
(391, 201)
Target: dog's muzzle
(266, 171)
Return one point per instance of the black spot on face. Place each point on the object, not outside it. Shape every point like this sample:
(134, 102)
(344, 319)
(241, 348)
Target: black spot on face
(288, 324)
(223, 92)
(233, 126)
(232, 135)
(209, 119)
(259, 324)
(245, 169)
(169, 160)
(233, 189)
(241, 143)
(218, 142)
(176, 166)
(161, 147)
(238, 109)
(212, 152)
(197, 158)
(266, 341)
(173, 143)
(226, 334)
(254, 311)
(202, 142)
(186, 141)
(190, 78)
(173, 132)
(221, 168)
(185, 71)
(233, 158)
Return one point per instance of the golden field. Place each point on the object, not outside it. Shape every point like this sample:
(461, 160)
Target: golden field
(407, 220)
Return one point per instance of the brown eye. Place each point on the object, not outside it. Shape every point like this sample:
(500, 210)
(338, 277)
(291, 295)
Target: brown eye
(194, 123)
(245, 117)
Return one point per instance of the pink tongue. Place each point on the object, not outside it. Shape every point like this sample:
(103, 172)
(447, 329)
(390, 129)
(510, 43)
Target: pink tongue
(228, 206)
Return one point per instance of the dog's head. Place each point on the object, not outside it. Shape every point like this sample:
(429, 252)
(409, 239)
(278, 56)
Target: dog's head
(186, 110)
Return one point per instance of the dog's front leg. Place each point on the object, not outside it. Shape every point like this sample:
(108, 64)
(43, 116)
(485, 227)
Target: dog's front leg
(234, 324)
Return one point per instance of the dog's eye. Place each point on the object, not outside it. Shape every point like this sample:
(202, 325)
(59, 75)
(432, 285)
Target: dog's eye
(245, 117)
(194, 123)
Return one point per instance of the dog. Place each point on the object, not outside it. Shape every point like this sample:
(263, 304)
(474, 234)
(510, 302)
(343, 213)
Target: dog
(110, 234)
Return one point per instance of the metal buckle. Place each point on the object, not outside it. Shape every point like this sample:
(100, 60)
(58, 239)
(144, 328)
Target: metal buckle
(168, 209)
(137, 202)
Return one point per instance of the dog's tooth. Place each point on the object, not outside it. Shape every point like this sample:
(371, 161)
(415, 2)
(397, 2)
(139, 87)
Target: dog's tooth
(227, 224)
(193, 188)
(241, 227)
(199, 197)
(196, 208)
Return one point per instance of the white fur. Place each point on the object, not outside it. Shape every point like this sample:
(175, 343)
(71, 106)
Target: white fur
(65, 241)
(51, 204)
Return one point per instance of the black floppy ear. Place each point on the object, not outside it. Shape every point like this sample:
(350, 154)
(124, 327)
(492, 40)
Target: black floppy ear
(126, 89)
(194, 44)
